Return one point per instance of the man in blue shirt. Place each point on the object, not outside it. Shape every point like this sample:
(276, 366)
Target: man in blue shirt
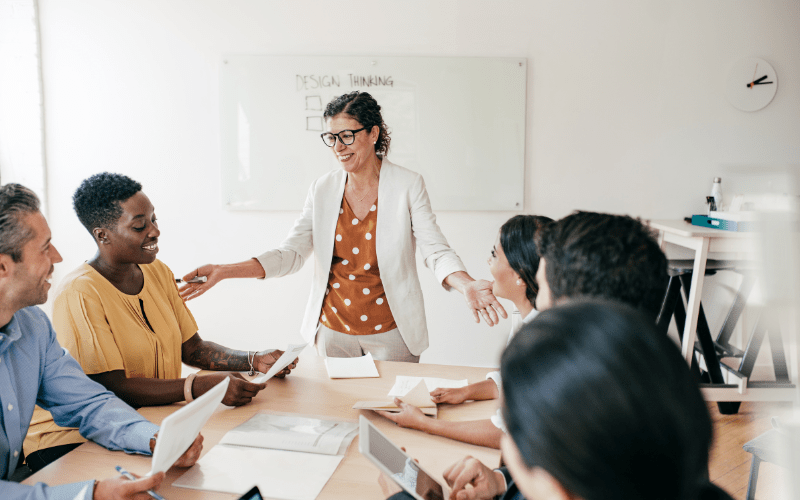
(35, 369)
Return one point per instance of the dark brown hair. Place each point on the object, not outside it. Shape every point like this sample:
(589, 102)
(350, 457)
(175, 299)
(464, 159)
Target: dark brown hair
(366, 111)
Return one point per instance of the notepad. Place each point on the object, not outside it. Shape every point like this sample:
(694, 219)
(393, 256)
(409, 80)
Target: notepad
(403, 384)
(419, 396)
(363, 367)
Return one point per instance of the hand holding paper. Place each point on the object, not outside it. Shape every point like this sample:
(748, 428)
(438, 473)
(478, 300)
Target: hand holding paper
(179, 431)
(291, 354)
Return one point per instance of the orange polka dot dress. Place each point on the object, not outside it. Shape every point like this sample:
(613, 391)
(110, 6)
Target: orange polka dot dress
(355, 302)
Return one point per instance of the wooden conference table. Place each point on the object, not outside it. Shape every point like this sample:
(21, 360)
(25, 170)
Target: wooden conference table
(307, 391)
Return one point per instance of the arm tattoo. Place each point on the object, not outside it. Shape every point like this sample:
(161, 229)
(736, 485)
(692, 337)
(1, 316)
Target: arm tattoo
(211, 356)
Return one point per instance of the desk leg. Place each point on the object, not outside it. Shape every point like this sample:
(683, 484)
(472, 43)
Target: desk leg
(693, 301)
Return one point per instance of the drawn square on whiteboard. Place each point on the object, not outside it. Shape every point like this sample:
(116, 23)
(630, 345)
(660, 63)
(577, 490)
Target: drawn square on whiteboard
(314, 123)
(313, 103)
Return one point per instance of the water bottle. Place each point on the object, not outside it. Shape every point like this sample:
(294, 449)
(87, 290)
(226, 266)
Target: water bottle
(716, 192)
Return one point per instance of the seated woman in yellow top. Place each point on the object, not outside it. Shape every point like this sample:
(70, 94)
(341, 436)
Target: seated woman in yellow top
(121, 317)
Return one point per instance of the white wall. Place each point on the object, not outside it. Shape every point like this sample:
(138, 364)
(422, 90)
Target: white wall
(626, 113)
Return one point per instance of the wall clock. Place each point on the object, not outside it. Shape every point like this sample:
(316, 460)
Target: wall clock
(751, 84)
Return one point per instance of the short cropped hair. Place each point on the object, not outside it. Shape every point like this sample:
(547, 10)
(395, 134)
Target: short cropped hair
(607, 256)
(366, 111)
(97, 200)
(517, 237)
(16, 201)
(605, 403)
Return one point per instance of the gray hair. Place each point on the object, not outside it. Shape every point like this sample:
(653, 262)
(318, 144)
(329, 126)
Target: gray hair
(16, 201)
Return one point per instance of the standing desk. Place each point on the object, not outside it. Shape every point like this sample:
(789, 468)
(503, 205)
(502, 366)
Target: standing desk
(703, 241)
(307, 391)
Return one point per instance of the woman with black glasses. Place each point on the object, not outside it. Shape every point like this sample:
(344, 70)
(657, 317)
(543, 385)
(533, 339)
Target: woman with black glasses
(363, 222)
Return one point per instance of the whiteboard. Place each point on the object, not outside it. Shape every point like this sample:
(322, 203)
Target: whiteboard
(458, 121)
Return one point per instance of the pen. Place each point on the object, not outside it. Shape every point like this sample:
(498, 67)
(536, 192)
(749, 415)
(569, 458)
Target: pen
(128, 475)
(196, 279)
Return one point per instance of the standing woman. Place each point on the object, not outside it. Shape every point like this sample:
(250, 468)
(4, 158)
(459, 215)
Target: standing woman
(363, 222)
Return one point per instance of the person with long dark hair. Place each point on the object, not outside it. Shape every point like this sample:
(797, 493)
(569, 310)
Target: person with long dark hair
(513, 262)
(363, 222)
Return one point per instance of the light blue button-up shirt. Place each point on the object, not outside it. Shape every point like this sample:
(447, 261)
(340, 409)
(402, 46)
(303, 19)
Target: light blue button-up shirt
(35, 369)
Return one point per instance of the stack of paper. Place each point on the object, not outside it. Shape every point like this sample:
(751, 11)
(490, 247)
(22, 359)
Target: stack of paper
(286, 456)
(363, 367)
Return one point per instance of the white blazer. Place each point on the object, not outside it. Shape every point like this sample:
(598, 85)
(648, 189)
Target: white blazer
(405, 220)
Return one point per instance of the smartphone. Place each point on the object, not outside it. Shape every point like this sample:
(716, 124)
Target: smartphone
(253, 494)
(397, 464)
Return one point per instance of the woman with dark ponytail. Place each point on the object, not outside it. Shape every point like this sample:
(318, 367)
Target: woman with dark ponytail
(513, 262)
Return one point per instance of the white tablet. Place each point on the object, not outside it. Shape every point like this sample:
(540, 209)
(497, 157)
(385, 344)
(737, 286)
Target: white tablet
(397, 464)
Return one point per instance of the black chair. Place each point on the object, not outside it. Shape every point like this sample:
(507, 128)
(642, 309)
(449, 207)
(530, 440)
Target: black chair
(712, 350)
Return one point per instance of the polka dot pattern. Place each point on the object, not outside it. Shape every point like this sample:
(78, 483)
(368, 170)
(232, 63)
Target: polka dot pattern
(354, 299)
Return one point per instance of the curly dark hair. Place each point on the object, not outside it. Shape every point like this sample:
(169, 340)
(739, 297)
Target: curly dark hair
(614, 257)
(97, 200)
(517, 237)
(16, 201)
(366, 111)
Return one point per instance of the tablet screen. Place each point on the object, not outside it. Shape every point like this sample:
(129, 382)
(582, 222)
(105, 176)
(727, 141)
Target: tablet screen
(253, 494)
(404, 470)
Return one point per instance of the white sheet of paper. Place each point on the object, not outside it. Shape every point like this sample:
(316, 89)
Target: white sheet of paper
(363, 367)
(180, 429)
(403, 384)
(278, 474)
(289, 355)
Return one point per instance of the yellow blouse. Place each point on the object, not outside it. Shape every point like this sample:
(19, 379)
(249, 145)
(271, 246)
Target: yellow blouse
(105, 330)
(355, 302)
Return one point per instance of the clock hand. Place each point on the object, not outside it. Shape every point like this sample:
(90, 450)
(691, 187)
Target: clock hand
(760, 81)
(755, 71)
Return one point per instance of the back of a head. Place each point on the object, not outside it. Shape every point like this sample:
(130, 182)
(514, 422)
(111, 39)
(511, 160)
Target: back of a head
(598, 398)
(612, 257)
(16, 201)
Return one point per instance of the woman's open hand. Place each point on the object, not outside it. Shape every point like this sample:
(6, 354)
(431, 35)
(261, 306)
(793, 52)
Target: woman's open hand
(189, 291)
(482, 302)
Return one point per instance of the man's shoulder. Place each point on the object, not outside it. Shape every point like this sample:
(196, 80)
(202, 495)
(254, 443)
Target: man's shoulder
(32, 314)
(34, 325)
